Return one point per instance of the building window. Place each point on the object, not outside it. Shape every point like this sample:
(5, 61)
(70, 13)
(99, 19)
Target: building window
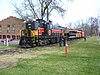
(13, 28)
(8, 25)
(8, 29)
(0, 28)
(13, 31)
(13, 25)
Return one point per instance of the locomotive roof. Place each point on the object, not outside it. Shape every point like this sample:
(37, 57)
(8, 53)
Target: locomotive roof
(75, 30)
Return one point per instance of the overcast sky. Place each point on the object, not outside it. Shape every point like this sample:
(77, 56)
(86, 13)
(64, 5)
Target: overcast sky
(78, 9)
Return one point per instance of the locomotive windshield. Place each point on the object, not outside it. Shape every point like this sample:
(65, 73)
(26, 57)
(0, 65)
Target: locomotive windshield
(41, 23)
(32, 25)
(49, 26)
(38, 23)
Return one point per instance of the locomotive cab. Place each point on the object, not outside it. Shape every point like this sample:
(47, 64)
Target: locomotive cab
(32, 25)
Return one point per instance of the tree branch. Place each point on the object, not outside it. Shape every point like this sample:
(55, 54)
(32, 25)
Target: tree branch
(32, 6)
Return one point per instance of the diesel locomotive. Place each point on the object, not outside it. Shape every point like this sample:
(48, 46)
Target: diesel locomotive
(39, 32)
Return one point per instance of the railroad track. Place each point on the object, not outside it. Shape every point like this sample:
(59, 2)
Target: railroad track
(12, 50)
(20, 50)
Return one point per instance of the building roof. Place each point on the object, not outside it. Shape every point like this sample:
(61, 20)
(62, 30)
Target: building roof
(11, 17)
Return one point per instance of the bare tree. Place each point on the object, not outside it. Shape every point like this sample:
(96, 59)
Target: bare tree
(69, 25)
(90, 27)
(38, 8)
(93, 22)
(78, 25)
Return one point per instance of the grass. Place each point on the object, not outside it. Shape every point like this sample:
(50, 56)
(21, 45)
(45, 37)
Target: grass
(6, 47)
(83, 59)
(3, 47)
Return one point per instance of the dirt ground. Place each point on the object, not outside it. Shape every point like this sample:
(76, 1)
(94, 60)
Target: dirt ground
(10, 57)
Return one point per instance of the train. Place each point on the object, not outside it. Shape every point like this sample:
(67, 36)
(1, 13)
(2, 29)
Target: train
(40, 32)
(75, 34)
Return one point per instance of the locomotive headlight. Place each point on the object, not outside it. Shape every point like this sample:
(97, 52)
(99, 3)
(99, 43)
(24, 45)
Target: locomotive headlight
(24, 22)
(49, 32)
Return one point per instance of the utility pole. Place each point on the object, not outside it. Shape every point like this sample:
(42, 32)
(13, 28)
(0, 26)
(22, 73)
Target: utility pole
(42, 9)
(99, 29)
(47, 14)
(98, 12)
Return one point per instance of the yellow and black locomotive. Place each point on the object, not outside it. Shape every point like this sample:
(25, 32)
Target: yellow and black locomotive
(39, 32)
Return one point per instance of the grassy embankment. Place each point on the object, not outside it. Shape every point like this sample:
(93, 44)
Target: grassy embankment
(2, 47)
(83, 59)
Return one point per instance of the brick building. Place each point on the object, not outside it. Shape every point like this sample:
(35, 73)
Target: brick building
(11, 27)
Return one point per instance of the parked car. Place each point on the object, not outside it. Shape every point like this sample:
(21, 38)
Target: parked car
(9, 40)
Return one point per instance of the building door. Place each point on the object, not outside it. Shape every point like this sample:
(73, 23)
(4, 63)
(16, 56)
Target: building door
(4, 36)
(8, 36)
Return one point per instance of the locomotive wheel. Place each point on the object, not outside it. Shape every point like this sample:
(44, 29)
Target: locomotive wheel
(43, 42)
(26, 43)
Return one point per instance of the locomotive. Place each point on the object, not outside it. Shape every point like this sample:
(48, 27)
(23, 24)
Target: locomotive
(38, 33)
